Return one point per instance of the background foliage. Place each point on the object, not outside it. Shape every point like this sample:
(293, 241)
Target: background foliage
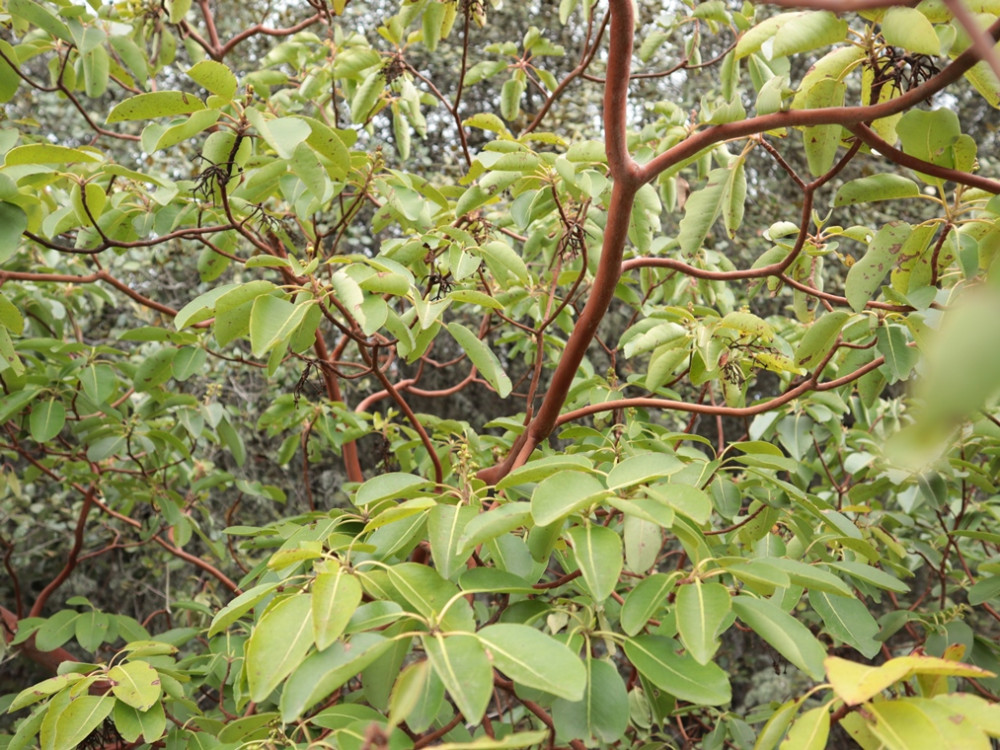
(472, 375)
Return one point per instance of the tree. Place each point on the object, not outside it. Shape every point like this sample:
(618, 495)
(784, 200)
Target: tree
(356, 411)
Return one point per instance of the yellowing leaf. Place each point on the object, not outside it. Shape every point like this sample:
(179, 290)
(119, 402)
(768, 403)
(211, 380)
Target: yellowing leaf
(856, 683)
(909, 28)
(215, 77)
(135, 683)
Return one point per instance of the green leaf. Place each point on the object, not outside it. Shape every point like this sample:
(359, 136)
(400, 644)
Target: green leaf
(751, 40)
(431, 19)
(215, 77)
(278, 645)
(849, 620)
(336, 595)
(328, 143)
(248, 728)
(559, 495)
(899, 357)
(597, 551)
(809, 576)
(983, 80)
(546, 466)
(445, 526)
(877, 187)
(482, 357)
(44, 153)
(701, 609)
(643, 534)
(514, 740)
(504, 263)
(810, 731)
(395, 485)
(865, 277)
(645, 600)
(685, 499)
(909, 28)
(604, 711)
(178, 9)
(808, 32)
(240, 606)
(819, 338)
(28, 729)
(43, 689)
(366, 97)
(758, 575)
(325, 671)
(135, 683)
(736, 195)
(485, 579)
(56, 630)
(533, 659)
(13, 222)
(681, 676)
(487, 121)
(510, 98)
(821, 141)
(10, 81)
(661, 334)
(96, 70)
(776, 727)
(187, 362)
(47, 420)
(641, 469)
(201, 307)
(155, 104)
(429, 594)
(133, 57)
(462, 665)
(790, 638)
(984, 590)
(966, 336)
(43, 18)
(132, 724)
(282, 134)
(76, 721)
(929, 136)
(272, 323)
(868, 574)
(980, 712)
(155, 370)
(417, 695)
(702, 209)
(493, 523)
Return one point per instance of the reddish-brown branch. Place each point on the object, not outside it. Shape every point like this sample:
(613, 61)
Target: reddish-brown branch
(350, 449)
(626, 174)
(802, 388)
(412, 417)
(71, 558)
(845, 116)
(267, 31)
(585, 60)
(105, 276)
(871, 138)
(982, 44)
(174, 550)
(437, 734)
